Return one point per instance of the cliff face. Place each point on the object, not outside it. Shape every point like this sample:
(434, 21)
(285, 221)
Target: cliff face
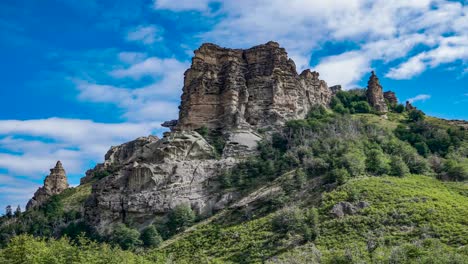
(252, 88)
(55, 183)
(155, 176)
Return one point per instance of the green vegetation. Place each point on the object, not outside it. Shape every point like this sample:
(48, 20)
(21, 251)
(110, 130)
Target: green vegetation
(341, 186)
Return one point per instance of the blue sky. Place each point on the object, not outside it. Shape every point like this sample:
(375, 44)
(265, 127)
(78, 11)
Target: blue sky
(80, 76)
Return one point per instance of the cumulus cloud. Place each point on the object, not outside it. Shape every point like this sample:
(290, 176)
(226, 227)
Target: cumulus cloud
(302, 26)
(419, 97)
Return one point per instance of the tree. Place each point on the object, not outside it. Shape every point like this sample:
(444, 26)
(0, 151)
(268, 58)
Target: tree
(376, 162)
(181, 217)
(18, 211)
(361, 107)
(416, 115)
(398, 167)
(150, 237)
(125, 237)
(8, 211)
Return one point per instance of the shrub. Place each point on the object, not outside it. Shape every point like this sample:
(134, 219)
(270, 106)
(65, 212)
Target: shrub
(455, 171)
(416, 115)
(296, 221)
(150, 237)
(398, 167)
(399, 108)
(125, 237)
(376, 162)
(181, 217)
(361, 107)
(339, 176)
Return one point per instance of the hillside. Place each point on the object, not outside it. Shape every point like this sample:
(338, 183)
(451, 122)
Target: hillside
(264, 165)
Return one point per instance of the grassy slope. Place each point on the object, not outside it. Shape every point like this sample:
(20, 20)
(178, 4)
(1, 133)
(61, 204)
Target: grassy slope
(74, 198)
(401, 210)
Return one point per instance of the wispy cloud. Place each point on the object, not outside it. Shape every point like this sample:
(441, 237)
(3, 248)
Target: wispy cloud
(146, 34)
(182, 5)
(419, 97)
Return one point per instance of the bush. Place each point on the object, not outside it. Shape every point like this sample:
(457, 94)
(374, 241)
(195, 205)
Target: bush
(339, 176)
(399, 108)
(361, 107)
(181, 217)
(455, 171)
(125, 237)
(416, 115)
(296, 221)
(150, 237)
(376, 162)
(398, 167)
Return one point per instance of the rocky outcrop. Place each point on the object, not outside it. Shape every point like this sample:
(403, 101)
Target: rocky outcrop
(55, 183)
(246, 89)
(390, 97)
(118, 156)
(375, 94)
(342, 209)
(409, 106)
(154, 176)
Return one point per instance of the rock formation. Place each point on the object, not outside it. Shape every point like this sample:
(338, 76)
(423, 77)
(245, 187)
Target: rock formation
(152, 176)
(375, 95)
(390, 97)
(55, 183)
(252, 88)
(409, 106)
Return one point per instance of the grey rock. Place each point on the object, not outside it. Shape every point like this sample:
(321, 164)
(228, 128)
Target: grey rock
(178, 169)
(55, 183)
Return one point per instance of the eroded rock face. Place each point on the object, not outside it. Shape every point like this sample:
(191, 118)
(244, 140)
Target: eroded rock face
(55, 183)
(252, 88)
(391, 97)
(375, 94)
(179, 168)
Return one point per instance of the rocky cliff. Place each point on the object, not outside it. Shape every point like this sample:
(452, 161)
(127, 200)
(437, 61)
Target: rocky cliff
(148, 177)
(228, 95)
(252, 88)
(55, 183)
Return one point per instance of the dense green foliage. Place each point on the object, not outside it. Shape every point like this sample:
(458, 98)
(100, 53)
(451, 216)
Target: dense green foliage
(27, 249)
(409, 219)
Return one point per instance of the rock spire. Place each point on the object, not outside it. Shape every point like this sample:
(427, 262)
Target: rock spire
(375, 95)
(55, 183)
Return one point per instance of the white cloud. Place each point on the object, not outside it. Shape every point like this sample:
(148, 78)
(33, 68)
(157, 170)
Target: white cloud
(419, 97)
(30, 147)
(302, 26)
(182, 5)
(73, 141)
(345, 69)
(152, 67)
(147, 35)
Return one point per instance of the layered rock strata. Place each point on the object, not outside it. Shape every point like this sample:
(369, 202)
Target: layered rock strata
(251, 88)
(55, 183)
